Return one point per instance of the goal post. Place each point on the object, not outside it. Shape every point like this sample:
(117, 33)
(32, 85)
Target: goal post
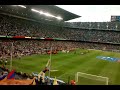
(90, 79)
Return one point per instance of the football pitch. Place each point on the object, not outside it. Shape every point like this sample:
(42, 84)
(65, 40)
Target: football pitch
(68, 64)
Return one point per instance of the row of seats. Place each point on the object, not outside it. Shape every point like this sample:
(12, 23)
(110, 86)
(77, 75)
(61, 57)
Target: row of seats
(11, 26)
(94, 25)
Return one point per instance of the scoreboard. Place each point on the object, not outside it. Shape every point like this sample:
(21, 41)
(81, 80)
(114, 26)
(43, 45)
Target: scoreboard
(115, 18)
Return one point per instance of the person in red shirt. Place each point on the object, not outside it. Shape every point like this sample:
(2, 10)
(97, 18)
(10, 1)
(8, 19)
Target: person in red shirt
(72, 82)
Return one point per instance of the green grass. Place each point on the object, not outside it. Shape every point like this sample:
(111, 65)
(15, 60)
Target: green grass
(69, 64)
(87, 81)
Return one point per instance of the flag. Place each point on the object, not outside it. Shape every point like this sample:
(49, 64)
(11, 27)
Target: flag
(11, 75)
(48, 63)
(42, 73)
(55, 81)
(33, 82)
(73, 82)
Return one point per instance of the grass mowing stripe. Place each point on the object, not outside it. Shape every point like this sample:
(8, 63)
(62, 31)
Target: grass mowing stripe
(29, 62)
(111, 72)
(65, 62)
(117, 77)
(69, 64)
(97, 68)
(72, 60)
(88, 68)
(74, 70)
(80, 64)
(84, 66)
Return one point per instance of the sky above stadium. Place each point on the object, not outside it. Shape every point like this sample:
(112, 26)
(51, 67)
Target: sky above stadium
(92, 13)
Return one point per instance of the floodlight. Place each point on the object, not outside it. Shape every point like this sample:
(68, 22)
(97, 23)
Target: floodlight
(41, 12)
(48, 14)
(35, 10)
(22, 6)
(13, 5)
(59, 18)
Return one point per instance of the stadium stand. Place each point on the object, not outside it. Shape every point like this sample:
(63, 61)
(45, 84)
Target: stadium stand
(10, 26)
(86, 35)
(29, 47)
(94, 25)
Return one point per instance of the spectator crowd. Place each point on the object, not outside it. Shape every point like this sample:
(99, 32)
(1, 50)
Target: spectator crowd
(94, 25)
(11, 26)
(28, 47)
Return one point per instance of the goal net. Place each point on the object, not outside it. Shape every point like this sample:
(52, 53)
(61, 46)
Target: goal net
(89, 79)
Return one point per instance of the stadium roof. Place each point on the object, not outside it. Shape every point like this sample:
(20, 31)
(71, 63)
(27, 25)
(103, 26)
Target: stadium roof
(26, 12)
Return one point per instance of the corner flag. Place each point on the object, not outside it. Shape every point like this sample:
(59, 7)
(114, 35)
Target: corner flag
(55, 82)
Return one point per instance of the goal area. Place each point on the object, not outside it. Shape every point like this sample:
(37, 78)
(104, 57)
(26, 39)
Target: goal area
(89, 79)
